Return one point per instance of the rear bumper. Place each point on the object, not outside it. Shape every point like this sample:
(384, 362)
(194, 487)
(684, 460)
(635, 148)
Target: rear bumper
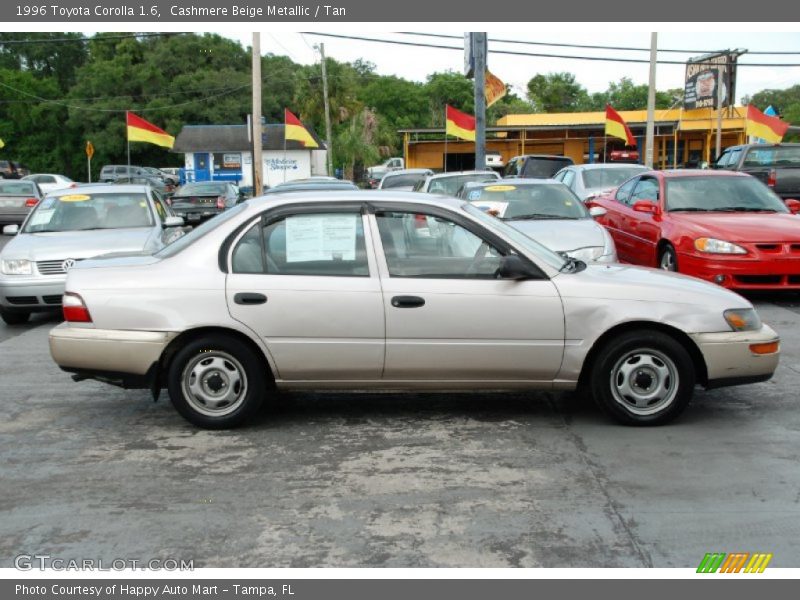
(779, 273)
(729, 360)
(87, 351)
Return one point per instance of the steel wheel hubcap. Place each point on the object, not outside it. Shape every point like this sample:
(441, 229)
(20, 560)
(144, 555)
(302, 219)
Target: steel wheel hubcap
(214, 383)
(644, 381)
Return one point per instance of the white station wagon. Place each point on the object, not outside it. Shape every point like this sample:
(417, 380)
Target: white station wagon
(401, 291)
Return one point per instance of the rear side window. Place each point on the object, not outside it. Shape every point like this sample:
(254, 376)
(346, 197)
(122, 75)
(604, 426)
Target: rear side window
(317, 244)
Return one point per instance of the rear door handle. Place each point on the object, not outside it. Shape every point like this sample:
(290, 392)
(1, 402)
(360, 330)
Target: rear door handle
(408, 302)
(249, 298)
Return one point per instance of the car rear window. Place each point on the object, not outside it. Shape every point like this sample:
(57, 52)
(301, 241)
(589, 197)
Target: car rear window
(201, 189)
(406, 180)
(451, 185)
(544, 168)
(782, 156)
(597, 178)
(17, 188)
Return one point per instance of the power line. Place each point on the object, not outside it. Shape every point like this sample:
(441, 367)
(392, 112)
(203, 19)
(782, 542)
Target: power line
(538, 55)
(590, 47)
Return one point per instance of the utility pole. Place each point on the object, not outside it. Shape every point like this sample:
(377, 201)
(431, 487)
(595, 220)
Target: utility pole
(258, 166)
(328, 137)
(651, 103)
(479, 52)
(720, 100)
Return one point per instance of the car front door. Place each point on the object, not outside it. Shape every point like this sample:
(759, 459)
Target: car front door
(644, 228)
(448, 317)
(306, 282)
(617, 208)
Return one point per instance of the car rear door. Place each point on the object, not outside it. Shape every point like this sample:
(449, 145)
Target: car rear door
(305, 280)
(448, 318)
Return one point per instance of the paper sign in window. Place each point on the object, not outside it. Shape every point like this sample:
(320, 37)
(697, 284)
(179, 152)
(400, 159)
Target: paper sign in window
(321, 237)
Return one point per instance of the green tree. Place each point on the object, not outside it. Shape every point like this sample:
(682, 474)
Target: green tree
(448, 88)
(557, 92)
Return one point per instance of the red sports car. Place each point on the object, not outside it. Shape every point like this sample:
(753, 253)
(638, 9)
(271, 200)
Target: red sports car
(724, 227)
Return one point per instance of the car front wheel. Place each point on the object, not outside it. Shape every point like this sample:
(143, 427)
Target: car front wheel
(669, 259)
(643, 378)
(217, 382)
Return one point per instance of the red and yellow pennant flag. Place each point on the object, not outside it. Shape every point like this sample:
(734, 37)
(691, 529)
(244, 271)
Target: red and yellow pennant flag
(616, 127)
(459, 124)
(140, 130)
(765, 127)
(295, 130)
(494, 89)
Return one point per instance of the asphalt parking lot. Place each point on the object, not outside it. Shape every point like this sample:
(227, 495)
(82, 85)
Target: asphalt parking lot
(90, 471)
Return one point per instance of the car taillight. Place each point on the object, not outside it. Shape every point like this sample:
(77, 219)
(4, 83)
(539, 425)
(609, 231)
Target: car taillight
(221, 202)
(31, 202)
(772, 178)
(75, 310)
(74, 185)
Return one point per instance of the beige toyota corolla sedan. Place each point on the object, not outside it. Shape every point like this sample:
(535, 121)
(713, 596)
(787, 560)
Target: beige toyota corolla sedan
(400, 291)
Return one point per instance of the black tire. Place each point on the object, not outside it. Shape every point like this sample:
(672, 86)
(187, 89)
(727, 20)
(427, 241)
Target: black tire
(14, 317)
(217, 369)
(668, 259)
(643, 378)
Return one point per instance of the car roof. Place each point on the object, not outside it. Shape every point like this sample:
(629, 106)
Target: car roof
(408, 172)
(92, 188)
(673, 173)
(456, 173)
(350, 196)
(593, 166)
(515, 182)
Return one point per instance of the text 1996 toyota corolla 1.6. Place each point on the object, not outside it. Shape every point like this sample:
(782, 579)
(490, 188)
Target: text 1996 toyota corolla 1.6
(383, 290)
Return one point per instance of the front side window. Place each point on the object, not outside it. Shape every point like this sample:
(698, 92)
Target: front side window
(624, 192)
(646, 190)
(320, 244)
(420, 245)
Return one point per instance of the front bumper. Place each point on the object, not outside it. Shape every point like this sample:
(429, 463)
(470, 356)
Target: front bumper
(744, 274)
(31, 293)
(729, 360)
(87, 351)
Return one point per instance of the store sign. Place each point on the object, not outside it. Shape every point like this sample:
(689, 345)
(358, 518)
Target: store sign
(232, 161)
(281, 164)
(705, 75)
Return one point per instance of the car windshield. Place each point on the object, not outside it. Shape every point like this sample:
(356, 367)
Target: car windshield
(516, 202)
(201, 189)
(515, 235)
(81, 211)
(17, 188)
(404, 180)
(449, 185)
(608, 178)
(726, 194)
(195, 234)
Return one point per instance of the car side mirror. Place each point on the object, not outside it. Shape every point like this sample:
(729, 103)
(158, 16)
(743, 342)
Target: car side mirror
(792, 204)
(173, 222)
(513, 267)
(597, 211)
(11, 230)
(646, 206)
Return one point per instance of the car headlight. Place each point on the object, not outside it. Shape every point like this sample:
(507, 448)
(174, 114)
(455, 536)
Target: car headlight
(714, 246)
(742, 319)
(19, 266)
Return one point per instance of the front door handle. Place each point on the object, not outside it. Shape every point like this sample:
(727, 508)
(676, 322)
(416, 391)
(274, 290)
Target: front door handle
(408, 302)
(249, 298)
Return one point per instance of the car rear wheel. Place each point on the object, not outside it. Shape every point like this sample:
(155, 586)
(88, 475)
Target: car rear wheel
(668, 259)
(643, 378)
(14, 317)
(217, 382)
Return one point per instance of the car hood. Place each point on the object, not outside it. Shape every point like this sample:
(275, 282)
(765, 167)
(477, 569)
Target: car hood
(562, 235)
(742, 227)
(77, 244)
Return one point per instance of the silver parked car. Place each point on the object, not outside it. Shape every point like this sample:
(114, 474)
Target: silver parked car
(549, 212)
(69, 226)
(17, 199)
(591, 180)
(449, 183)
(394, 290)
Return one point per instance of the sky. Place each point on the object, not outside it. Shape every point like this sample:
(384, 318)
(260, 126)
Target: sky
(417, 63)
